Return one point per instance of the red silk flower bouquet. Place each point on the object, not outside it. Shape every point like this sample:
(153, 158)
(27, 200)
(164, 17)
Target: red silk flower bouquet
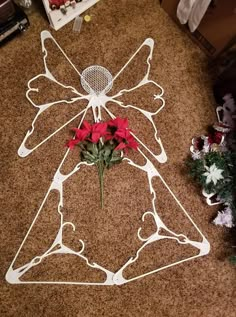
(102, 144)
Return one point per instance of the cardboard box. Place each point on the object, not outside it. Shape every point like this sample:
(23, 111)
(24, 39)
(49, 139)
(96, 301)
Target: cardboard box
(217, 28)
(58, 19)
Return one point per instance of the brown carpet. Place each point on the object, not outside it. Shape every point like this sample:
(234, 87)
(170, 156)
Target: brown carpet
(202, 287)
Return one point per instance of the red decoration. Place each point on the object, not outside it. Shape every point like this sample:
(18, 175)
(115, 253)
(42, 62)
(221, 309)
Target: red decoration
(116, 129)
(101, 144)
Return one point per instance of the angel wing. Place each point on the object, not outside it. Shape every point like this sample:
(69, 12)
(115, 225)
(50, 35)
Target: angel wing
(65, 95)
(141, 94)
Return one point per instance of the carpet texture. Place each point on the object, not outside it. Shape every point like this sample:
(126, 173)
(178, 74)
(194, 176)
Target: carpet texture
(202, 287)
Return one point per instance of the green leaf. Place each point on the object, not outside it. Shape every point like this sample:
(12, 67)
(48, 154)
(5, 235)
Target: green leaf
(88, 157)
(107, 153)
(100, 146)
(116, 159)
(233, 259)
(92, 148)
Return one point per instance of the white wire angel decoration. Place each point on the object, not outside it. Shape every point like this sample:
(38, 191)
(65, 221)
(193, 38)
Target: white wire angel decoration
(97, 82)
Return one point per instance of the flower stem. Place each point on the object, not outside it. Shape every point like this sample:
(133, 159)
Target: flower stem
(100, 174)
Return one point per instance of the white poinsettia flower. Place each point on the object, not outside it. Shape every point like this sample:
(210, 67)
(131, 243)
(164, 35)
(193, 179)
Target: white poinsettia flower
(206, 149)
(224, 218)
(196, 155)
(213, 174)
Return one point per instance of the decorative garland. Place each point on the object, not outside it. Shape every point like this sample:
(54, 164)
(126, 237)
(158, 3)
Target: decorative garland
(213, 166)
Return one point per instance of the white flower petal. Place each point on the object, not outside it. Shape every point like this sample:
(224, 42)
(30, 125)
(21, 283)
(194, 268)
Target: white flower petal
(213, 174)
(224, 218)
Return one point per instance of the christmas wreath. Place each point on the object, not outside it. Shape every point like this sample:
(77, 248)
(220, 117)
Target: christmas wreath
(212, 164)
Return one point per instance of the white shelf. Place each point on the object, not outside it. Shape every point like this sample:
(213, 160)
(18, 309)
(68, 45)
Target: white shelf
(57, 19)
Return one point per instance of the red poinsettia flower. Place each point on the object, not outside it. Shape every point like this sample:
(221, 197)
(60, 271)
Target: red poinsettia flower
(71, 144)
(129, 143)
(123, 134)
(98, 130)
(86, 126)
(80, 134)
(108, 136)
(94, 132)
(119, 123)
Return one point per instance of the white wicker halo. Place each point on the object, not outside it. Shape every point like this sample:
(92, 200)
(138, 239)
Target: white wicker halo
(96, 80)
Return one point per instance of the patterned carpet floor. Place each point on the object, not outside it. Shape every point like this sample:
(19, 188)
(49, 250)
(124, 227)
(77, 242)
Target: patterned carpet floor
(201, 287)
